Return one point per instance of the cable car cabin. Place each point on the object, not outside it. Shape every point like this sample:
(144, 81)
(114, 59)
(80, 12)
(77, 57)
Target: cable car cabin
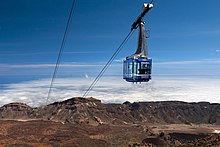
(137, 70)
(137, 67)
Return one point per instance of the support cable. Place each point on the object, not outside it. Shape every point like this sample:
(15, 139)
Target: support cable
(108, 63)
(153, 2)
(61, 48)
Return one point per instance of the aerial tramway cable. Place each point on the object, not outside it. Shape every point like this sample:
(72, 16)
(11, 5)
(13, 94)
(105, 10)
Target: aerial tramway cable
(108, 63)
(153, 1)
(61, 48)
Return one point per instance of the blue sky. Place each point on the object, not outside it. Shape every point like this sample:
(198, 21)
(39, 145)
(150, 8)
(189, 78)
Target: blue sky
(31, 31)
(184, 38)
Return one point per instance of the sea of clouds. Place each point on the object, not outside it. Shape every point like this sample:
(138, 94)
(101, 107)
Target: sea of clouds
(114, 90)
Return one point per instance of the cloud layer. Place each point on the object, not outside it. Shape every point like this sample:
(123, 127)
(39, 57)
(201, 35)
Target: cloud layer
(114, 90)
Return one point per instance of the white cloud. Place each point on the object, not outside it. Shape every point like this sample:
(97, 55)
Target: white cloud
(218, 51)
(86, 76)
(189, 62)
(78, 64)
(199, 67)
(119, 60)
(46, 53)
(114, 89)
(47, 65)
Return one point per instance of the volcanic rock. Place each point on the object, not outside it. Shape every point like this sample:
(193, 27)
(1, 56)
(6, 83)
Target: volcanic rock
(92, 111)
(88, 122)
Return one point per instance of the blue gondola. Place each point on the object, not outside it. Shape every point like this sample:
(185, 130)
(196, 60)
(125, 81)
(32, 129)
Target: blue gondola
(137, 70)
(137, 67)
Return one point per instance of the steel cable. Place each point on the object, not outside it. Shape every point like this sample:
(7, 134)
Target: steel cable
(61, 48)
(108, 63)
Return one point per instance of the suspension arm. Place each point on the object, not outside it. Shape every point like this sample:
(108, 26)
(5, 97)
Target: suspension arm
(146, 9)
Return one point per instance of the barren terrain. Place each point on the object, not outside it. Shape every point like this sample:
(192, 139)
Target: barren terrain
(88, 122)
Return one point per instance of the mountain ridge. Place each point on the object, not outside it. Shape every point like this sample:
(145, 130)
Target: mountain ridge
(92, 111)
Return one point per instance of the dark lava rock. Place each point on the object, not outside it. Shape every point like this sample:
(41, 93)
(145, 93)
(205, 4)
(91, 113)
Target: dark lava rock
(92, 111)
(16, 111)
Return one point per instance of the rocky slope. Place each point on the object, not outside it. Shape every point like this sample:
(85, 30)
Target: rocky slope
(92, 111)
(83, 122)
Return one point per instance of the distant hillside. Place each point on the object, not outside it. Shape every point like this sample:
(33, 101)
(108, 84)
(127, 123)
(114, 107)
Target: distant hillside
(92, 111)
